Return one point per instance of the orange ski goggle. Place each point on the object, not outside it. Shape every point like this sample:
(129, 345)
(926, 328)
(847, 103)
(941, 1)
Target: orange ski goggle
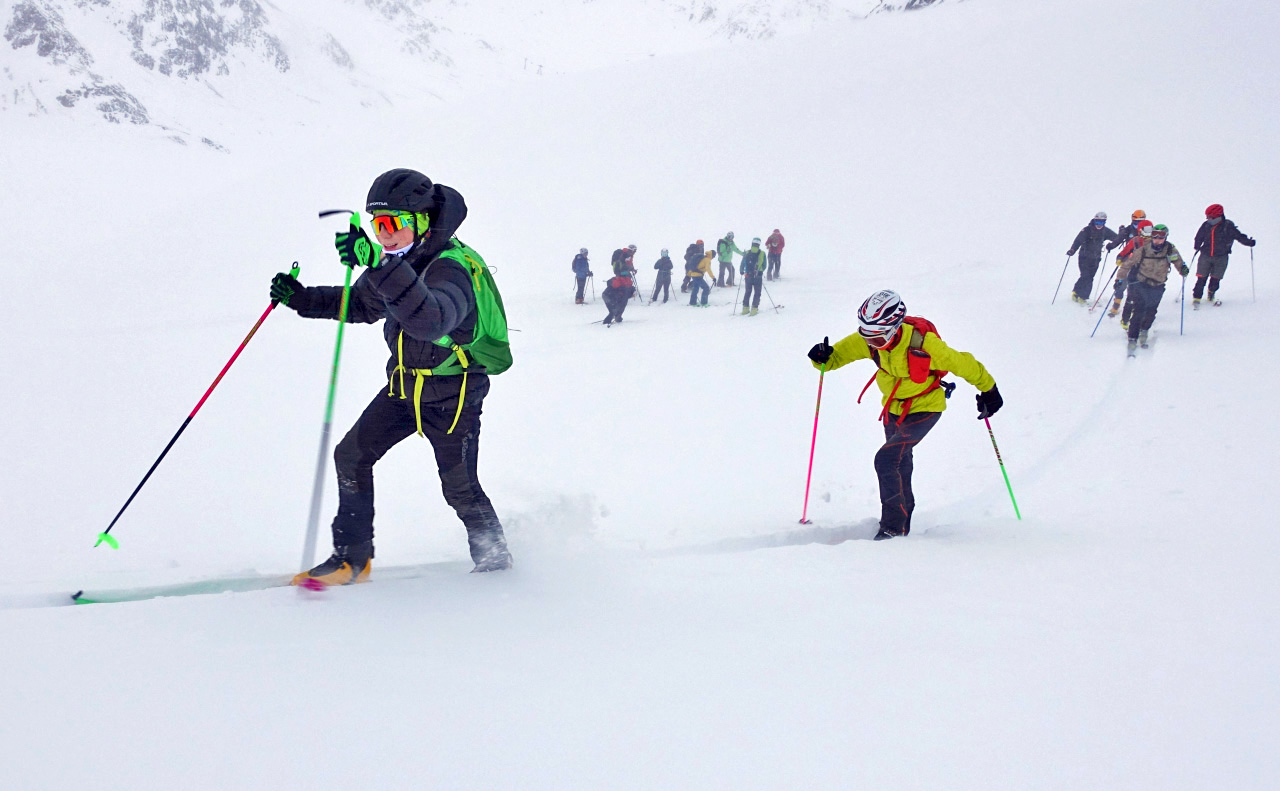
(390, 223)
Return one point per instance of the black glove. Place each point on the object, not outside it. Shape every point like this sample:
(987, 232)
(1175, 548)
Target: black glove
(821, 352)
(355, 248)
(286, 289)
(989, 402)
(1250, 242)
(591, 274)
(1111, 247)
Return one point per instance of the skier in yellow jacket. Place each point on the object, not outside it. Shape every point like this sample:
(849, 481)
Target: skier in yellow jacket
(911, 361)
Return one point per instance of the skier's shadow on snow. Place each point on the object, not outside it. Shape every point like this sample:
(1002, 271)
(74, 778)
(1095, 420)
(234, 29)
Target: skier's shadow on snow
(864, 530)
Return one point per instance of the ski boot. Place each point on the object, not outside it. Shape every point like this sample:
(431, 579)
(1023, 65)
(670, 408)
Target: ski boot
(1133, 347)
(1076, 298)
(1142, 339)
(754, 311)
(1115, 309)
(886, 534)
(347, 565)
(745, 310)
(489, 551)
(1217, 303)
(1195, 303)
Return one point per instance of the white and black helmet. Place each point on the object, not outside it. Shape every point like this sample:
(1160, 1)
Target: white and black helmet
(881, 314)
(1100, 216)
(664, 252)
(583, 251)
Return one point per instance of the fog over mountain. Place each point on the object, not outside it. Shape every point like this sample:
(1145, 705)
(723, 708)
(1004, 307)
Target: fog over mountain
(173, 64)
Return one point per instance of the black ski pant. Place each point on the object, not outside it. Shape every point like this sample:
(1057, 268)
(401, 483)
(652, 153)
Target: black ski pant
(752, 280)
(1088, 268)
(582, 283)
(389, 419)
(615, 306)
(775, 264)
(663, 285)
(893, 468)
(1209, 269)
(1146, 299)
(725, 266)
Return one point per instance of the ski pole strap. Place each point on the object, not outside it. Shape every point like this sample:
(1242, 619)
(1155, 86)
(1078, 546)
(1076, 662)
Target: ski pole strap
(446, 368)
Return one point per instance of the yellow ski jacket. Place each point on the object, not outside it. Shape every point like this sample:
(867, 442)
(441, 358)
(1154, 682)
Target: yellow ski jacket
(894, 377)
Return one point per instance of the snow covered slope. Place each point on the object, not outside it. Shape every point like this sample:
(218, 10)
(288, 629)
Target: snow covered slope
(669, 625)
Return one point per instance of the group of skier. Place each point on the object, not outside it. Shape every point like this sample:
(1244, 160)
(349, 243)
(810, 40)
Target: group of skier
(1143, 264)
(759, 263)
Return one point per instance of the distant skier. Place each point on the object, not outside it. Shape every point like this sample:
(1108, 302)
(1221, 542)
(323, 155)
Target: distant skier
(911, 360)
(1150, 264)
(774, 245)
(752, 270)
(725, 248)
(582, 271)
(1127, 234)
(1213, 242)
(697, 281)
(418, 282)
(1089, 243)
(1122, 282)
(622, 260)
(663, 284)
(615, 296)
(692, 255)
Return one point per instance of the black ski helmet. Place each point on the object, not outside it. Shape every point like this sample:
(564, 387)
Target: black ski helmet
(401, 189)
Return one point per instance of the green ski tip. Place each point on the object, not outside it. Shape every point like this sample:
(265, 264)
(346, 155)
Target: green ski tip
(109, 540)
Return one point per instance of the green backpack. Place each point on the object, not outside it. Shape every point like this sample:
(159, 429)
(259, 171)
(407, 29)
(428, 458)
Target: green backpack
(489, 348)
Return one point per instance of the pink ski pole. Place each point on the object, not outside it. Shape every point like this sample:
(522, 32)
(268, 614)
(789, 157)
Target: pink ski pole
(814, 444)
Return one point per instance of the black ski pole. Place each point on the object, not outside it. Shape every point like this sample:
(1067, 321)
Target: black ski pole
(733, 310)
(770, 296)
(1060, 278)
(1252, 284)
(592, 280)
(105, 536)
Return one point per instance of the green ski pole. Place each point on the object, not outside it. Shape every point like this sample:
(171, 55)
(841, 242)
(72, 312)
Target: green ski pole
(317, 488)
(1009, 486)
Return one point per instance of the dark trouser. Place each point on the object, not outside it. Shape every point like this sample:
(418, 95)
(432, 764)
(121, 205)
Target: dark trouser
(893, 468)
(1088, 268)
(663, 285)
(386, 421)
(1121, 284)
(775, 264)
(696, 284)
(752, 280)
(684, 287)
(582, 283)
(1146, 298)
(1211, 269)
(725, 266)
(615, 306)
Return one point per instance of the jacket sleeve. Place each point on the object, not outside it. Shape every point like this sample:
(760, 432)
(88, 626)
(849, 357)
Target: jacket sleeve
(1202, 235)
(1110, 235)
(325, 302)
(962, 364)
(1080, 239)
(1241, 236)
(850, 349)
(425, 312)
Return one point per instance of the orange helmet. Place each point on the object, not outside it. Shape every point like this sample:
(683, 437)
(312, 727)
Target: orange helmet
(1139, 214)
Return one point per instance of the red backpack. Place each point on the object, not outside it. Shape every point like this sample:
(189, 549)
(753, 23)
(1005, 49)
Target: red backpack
(919, 366)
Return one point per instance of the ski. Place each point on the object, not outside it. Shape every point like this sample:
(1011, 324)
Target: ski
(243, 584)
